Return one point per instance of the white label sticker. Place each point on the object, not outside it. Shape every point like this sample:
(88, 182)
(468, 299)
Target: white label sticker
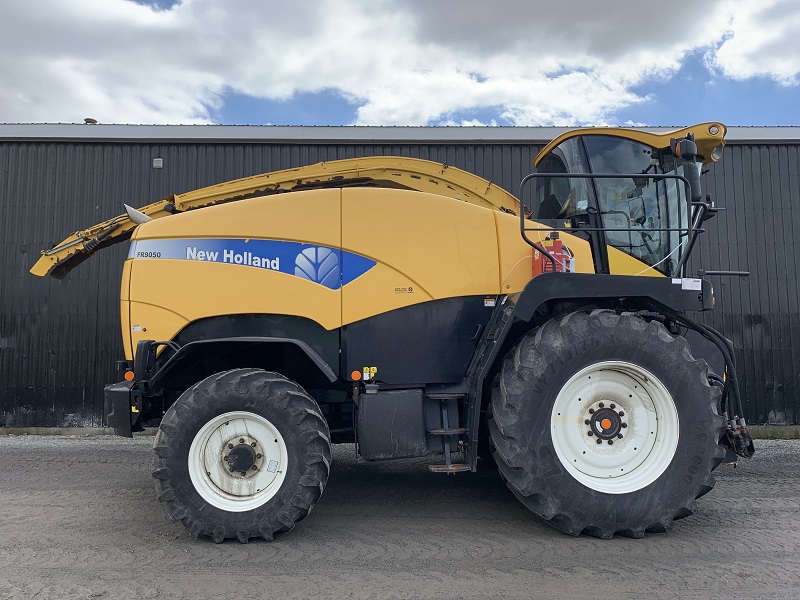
(489, 302)
(677, 281)
(692, 284)
(272, 466)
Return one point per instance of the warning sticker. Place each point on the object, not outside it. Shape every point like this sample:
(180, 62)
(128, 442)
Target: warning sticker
(692, 284)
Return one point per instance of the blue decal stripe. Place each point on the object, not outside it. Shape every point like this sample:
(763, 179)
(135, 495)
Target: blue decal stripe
(330, 267)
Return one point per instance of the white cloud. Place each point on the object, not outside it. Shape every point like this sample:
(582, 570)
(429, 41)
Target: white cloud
(406, 63)
(761, 41)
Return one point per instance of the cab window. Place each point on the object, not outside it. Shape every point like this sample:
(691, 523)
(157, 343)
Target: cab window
(635, 211)
(562, 197)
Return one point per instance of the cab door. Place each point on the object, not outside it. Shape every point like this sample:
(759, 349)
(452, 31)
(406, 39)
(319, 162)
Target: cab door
(562, 201)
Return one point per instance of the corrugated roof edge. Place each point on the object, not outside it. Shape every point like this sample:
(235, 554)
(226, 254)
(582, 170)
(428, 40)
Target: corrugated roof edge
(333, 134)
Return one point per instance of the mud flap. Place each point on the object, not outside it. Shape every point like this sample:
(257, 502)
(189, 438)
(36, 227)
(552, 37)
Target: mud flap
(118, 408)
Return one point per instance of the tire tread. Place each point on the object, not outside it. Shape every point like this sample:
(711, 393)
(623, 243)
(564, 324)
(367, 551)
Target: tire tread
(310, 427)
(522, 469)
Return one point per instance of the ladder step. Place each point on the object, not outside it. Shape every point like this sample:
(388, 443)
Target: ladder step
(453, 468)
(454, 431)
(446, 397)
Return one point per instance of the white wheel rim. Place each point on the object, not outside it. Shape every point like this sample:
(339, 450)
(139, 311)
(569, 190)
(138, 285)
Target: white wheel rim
(648, 427)
(260, 446)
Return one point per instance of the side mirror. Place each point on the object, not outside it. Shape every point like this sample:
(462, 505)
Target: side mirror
(684, 148)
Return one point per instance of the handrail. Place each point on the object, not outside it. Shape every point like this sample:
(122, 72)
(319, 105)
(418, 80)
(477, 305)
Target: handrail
(692, 228)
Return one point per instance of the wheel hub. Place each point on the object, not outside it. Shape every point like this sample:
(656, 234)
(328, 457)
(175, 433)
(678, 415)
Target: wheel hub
(241, 458)
(606, 421)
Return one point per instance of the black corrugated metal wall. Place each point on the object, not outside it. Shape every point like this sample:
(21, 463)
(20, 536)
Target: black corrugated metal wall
(759, 185)
(59, 340)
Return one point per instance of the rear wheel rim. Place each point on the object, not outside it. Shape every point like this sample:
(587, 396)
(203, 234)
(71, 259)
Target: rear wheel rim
(614, 427)
(238, 461)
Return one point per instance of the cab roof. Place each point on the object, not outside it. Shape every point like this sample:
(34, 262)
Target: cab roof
(708, 137)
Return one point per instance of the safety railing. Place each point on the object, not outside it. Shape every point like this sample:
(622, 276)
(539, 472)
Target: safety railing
(694, 210)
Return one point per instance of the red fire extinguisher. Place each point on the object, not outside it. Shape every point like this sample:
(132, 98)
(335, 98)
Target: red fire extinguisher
(565, 260)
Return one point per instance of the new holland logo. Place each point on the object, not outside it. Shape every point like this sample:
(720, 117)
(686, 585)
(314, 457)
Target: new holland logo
(318, 264)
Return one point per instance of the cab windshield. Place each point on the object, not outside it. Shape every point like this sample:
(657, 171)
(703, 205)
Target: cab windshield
(640, 216)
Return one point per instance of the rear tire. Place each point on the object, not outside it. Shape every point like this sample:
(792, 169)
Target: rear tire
(604, 423)
(242, 454)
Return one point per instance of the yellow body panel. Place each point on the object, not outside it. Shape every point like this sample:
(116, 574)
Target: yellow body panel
(620, 263)
(188, 290)
(152, 322)
(124, 310)
(515, 254)
(426, 247)
(311, 216)
(199, 290)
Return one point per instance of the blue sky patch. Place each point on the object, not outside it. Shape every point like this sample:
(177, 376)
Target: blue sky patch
(327, 107)
(694, 95)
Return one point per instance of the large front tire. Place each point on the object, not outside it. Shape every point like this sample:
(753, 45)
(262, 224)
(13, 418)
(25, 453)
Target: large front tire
(242, 454)
(604, 423)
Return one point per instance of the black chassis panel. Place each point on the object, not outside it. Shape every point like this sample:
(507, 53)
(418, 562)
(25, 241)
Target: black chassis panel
(428, 343)
(627, 289)
(324, 343)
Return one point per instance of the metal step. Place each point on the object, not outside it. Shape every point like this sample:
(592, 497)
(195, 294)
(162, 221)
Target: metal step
(445, 397)
(449, 469)
(453, 431)
(447, 433)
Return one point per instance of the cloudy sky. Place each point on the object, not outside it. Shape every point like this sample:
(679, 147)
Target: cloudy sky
(401, 62)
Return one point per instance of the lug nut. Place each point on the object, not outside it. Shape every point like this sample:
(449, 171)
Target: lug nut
(591, 411)
(621, 414)
(241, 440)
(587, 422)
(255, 467)
(613, 406)
(230, 446)
(619, 436)
(258, 456)
(244, 473)
(599, 441)
(601, 405)
(253, 444)
(610, 442)
(590, 433)
(624, 424)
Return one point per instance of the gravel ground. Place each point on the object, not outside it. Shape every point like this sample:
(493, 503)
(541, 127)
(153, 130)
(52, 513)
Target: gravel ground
(79, 520)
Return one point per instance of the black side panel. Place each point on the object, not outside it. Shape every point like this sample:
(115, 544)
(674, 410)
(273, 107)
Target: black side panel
(323, 342)
(673, 293)
(427, 343)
